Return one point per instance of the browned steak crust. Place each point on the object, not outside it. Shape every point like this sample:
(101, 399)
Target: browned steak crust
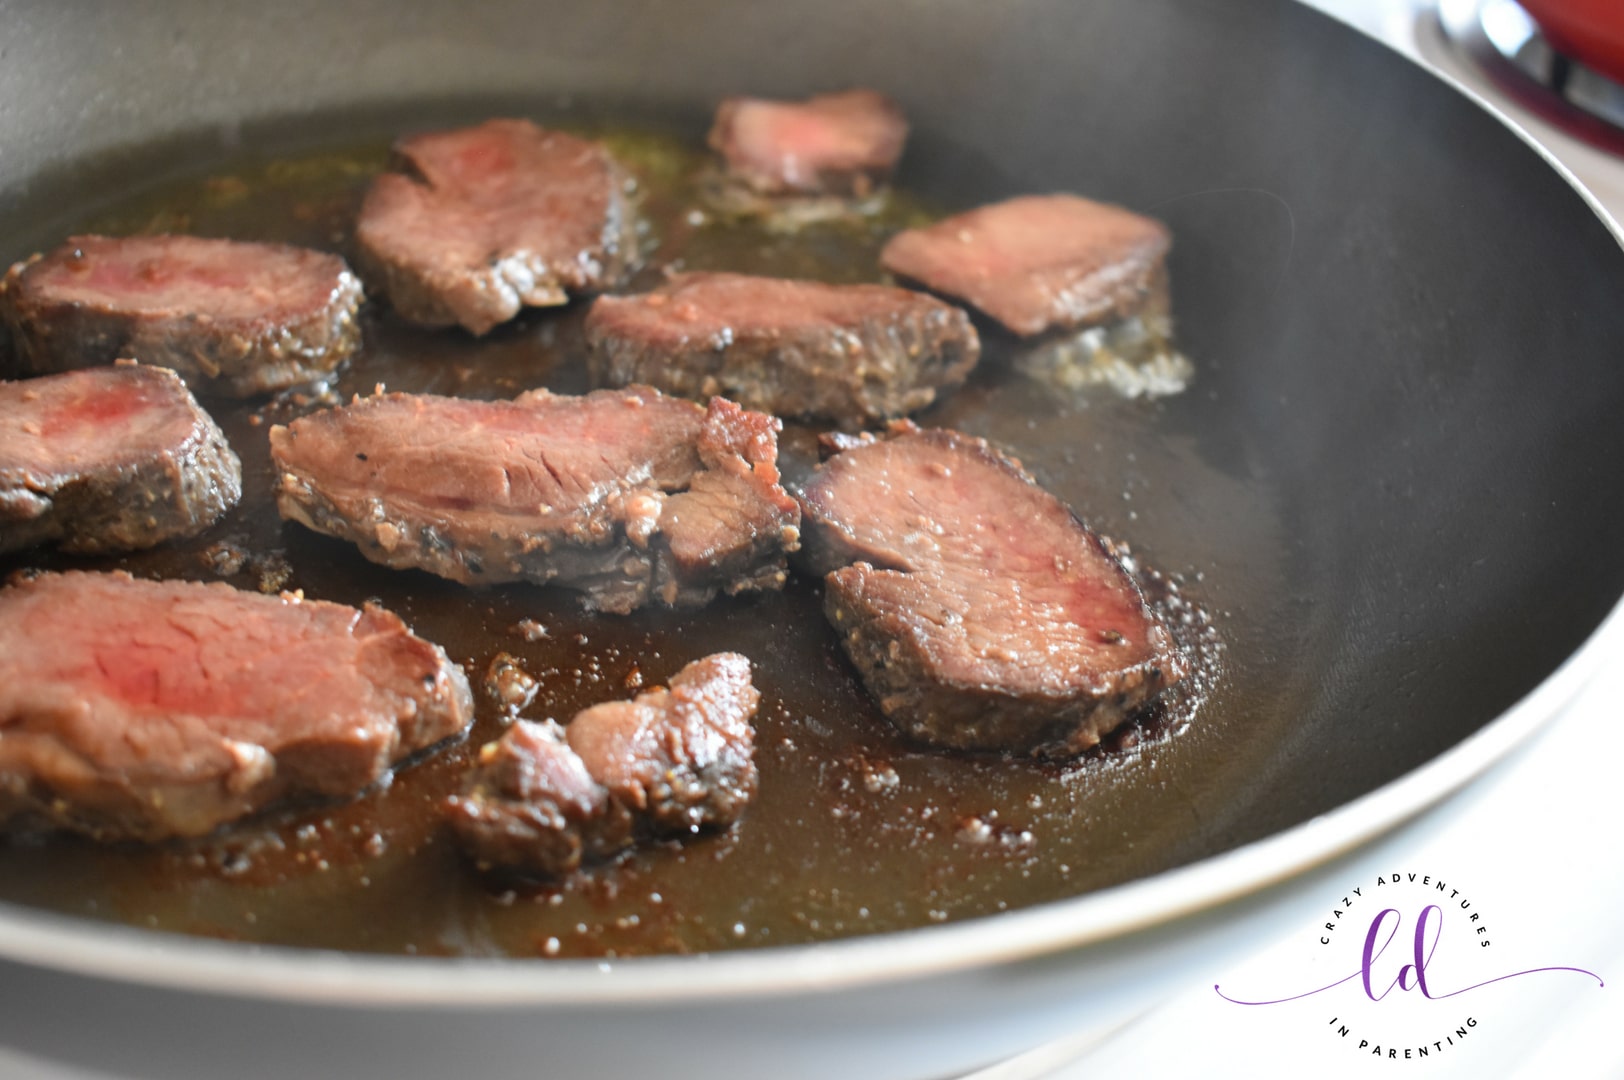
(140, 709)
(109, 459)
(232, 318)
(853, 354)
(481, 221)
(1041, 262)
(630, 496)
(980, 612)
(545, 799)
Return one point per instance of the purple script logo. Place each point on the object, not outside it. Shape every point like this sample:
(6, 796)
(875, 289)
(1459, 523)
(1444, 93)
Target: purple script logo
(1412, 975)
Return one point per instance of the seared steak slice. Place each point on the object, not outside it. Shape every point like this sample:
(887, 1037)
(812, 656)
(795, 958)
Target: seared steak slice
(832, 144)
(142, 710)
(481, 221)
(627, 495)
(1040, 262)
(672, 762)
(233, 318)
(680, 758)
(980, 612)
(848, 353)
(109, 459)
(530, 807)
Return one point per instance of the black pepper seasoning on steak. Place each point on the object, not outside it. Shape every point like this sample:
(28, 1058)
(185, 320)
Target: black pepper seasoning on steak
(1041, 262)
(852, 354)
(143, 710)
(672, 762)
(232, 318)
(481, 221)
(109, 459)
(630, 496)
(980, 612)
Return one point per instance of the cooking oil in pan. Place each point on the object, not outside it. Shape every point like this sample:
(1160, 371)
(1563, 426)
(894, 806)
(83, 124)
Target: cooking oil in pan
(854, 831)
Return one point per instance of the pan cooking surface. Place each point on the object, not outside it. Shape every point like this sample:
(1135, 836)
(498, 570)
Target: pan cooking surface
(854, 830)
(1388, 483)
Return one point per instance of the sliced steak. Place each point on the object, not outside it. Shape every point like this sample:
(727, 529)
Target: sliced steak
(628, 495)
(531, 808)
(143, 710)
(843, 144)
(544, 798)
(980, 612)
(852, 354)
(681, 759)
(233, 318)
(109, 459)
(481, 221)
(1040, 262)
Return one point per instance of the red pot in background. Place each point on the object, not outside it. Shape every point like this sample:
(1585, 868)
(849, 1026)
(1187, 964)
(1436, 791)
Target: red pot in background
(1590, 31)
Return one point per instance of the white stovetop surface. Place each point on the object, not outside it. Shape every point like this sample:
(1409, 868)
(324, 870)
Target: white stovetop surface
(1533, 843)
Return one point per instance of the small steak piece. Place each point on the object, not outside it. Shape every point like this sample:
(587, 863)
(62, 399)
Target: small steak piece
(531, 808)
(544, 798)
(981, 613)
(233, 318)
(681, 759)
(109, 459)
(1040, 262)
(834, 144)
(143, 710)
(848, 353)
(628, 495)
(481, 221)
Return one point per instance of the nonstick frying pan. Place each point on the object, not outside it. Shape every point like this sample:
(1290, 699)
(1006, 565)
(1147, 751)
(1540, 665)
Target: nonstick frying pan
(1392, 472)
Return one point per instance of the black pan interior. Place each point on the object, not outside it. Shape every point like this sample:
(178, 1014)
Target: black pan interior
(1389, 482)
